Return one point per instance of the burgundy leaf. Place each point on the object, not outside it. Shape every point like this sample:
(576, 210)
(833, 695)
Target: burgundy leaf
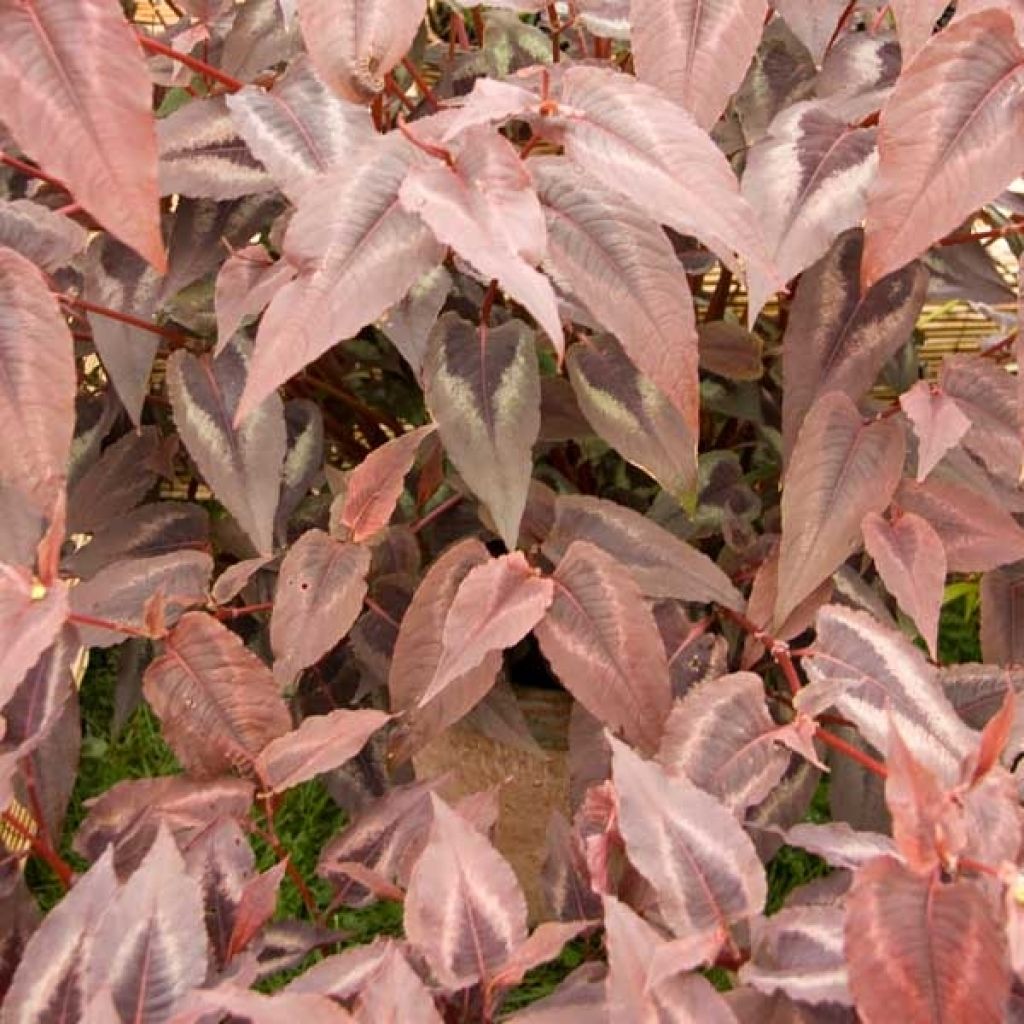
(695, 52)
(396, 993)
(565, 876)
(247, 282)
(464, 911)
(104, 143)
(938, 421)
(603, 644)
(701, 863)
(373, 488)
(217, 702)
(261, 36)
(358, 252)
(841, 471)
(355, 44)
(320, 593)
(911, 560)
(46, 238)
(20, 917)
(839, 337)
(730, 351)
(627, 274)
(814, 21)
(938, 163)
(320, 744)
(482, 387)
(38, 369)
(239, 457)
(303, 459)
(256, 907)
(923, 946)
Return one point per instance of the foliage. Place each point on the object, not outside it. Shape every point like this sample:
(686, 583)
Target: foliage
(365, 360)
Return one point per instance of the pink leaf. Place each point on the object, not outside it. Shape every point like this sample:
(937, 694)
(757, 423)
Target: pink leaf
(356, 43)
(544, 944)
(603, 644)
(915, 22)
(247, 282)
(282, 1008)
(103, 143)
(373, 488)
(320, 744)
(694, 51)
(320, 593)
(938, 422)
(464, 911)
(840, 845)
(396, 993)
(566, 883)
(940, 162)
(38, 366)
(256, 907)
(841, 470)
(814, 22)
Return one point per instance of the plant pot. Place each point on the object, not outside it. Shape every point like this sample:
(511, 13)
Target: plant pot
(531, 786)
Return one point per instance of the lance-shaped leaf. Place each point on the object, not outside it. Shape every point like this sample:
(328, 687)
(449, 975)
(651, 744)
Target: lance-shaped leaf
(637, 141)
(496, 605)
(660, 563)
(239, 458)
(320, 593)
(464, 911)
(701, 863)
(926, 946)
(52, 972)
(870, 672)
(247, 1005)
(373, 488)
(939, 424)
(217, 702)
(633, 416)
(839, 337)
(625, 271)
(694, 51)
(938, 162)
(247, 282)
(396, 993)
(152, 939)
(39, 234)
(483, 391)
(359, 251)
(484, 206)
(915, 22)
(299, 129)
(799, 950)
(911, 560)
(104, 143)
(807, 180)
(408, 323)
(1002, 615)
(320, 744)
(721, 738)
(356, 43)
(977, 532)
(814, 22)
(603, 644)
(545, 943)
(840, 845)
(841, 471)
(202, 154)
(37, 364)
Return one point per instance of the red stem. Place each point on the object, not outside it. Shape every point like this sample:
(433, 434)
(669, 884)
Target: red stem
(41, 849)
(556, 34)
(421, 84)
(116, 627)
(1014, 228)
(852, 752)
(249, 609)
(382, 612)
(175, 339)
(199, 66)
(33, 172)
(448, 503)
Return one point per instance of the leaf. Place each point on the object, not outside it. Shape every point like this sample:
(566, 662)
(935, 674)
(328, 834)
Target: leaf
(355, 44)
(721, 738)
(1002, 615)
(841, 471)
(938, 422)
(632, 415)
(545, 943)
(373, 488)
(54, 963)
(483, 204)
(239, 457)
(408, 323)
(320, 744)
(702, 865)
(48, 239)
(626, 273)
(482, 387)
(303, 459)
(839, 337)
(104, 142)
(915, 21)
(298, 129)
(840, 845)
(807, 180)
(639, 142)
(940, 161)
(730, 351)
(38, 370)
(928, 947)
(603, 644)
(814, 22)
(358, 252)
(256, 1008)
(154, 948)
(911, 560)
(396, 993)
(695, 52)
(565, 877)
(660, 563)
(246, 283)
(464, 911)
(868, 673)
(496, 605)
(320, 593)
(217, 702)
